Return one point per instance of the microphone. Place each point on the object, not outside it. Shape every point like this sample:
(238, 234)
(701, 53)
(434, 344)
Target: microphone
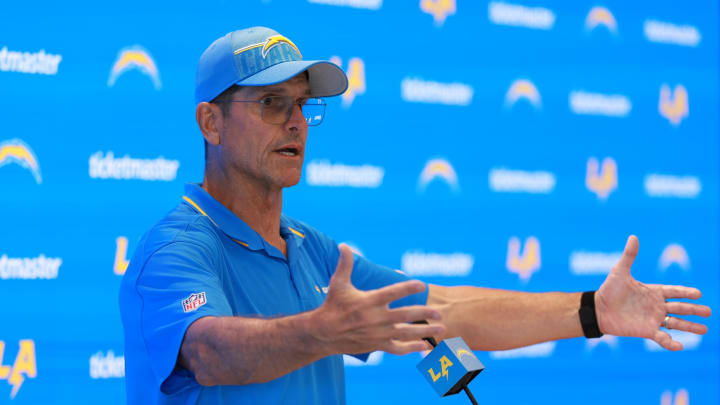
(450, 366)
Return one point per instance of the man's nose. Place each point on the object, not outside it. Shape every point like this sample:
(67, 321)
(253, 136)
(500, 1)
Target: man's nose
(297, 119)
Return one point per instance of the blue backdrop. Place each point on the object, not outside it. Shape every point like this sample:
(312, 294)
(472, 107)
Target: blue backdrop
(504, 144)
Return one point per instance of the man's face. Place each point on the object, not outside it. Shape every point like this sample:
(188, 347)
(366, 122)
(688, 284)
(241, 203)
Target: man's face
(270, 155)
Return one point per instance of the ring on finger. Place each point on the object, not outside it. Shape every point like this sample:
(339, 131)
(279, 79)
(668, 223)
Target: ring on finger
(665, 322)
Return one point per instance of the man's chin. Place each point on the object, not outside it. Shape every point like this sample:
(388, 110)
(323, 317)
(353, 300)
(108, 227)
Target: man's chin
(292, 180)
(292, 183)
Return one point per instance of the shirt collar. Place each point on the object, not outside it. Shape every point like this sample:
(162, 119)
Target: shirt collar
(231, 224)
(290, 232)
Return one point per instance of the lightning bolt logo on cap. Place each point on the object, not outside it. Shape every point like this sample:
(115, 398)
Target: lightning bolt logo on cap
(269, 43)
(16, 151)
(276, 40)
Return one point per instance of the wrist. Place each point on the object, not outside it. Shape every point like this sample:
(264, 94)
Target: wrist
(310, 327)
(588, 315)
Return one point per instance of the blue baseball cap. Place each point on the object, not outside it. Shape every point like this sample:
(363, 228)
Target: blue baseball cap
(259, 56)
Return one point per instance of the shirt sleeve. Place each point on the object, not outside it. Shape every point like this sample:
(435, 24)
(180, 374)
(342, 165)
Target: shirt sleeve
(177, 286)
(367, 275)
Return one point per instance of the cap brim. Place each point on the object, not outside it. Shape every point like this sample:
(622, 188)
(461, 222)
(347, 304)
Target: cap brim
(326, 79)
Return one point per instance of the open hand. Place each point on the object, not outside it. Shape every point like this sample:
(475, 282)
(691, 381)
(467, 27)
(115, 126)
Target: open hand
(626, 307)
(353, 321)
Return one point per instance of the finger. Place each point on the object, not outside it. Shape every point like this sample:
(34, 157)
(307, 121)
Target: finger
(684, 308)
(399, 347)
(628, 257)
(394, 292)
(679, 291)
(664, 340)
(413, 313)
(343, 270)
(687, 326)
(405, 331)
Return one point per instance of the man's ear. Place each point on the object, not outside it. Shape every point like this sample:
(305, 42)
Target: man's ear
(210, 120)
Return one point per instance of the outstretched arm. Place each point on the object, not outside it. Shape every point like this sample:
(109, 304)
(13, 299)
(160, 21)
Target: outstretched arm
(490, 319)
(235, 350)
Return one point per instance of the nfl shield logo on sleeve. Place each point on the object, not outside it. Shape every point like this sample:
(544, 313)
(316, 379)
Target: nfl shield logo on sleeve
(194, 301)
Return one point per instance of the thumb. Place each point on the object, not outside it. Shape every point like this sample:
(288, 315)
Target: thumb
(344, 267)
(628, 256)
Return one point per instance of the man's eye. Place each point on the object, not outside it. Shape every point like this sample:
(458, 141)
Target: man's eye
(267, 101)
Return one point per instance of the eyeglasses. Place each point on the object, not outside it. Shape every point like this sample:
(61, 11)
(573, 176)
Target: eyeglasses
(278, 109)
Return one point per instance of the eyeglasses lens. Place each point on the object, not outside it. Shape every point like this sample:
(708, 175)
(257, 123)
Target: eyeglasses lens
(277, 110)
(314, 111)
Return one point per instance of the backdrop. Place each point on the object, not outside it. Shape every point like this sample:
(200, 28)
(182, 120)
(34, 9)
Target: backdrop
(504, 144)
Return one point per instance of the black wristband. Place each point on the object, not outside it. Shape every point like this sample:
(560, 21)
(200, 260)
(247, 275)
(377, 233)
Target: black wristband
(588, 317)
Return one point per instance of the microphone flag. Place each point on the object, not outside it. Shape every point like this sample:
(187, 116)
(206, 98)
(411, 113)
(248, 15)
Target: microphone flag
(450, 366)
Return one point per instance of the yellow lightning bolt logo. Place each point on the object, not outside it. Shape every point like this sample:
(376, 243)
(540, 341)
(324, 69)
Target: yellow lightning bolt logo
(135, 57)
(438, 168)
(24, 364)
(277, 40)
(15, 151)
(463, 352)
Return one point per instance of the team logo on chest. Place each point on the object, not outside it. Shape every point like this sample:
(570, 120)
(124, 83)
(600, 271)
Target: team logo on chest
(322, 290)
(194, 301)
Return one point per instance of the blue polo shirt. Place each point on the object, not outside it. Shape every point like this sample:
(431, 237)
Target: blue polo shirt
(202, 260)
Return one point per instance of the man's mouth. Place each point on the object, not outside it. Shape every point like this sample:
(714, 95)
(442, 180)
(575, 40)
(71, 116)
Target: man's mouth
(288, 151)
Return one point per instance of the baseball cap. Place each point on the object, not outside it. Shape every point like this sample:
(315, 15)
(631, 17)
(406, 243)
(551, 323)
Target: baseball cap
(260, 56)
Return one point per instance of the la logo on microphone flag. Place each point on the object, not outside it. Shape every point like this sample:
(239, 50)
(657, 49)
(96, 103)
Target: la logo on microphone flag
(450, 366)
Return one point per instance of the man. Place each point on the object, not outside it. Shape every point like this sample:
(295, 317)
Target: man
(228, 301)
